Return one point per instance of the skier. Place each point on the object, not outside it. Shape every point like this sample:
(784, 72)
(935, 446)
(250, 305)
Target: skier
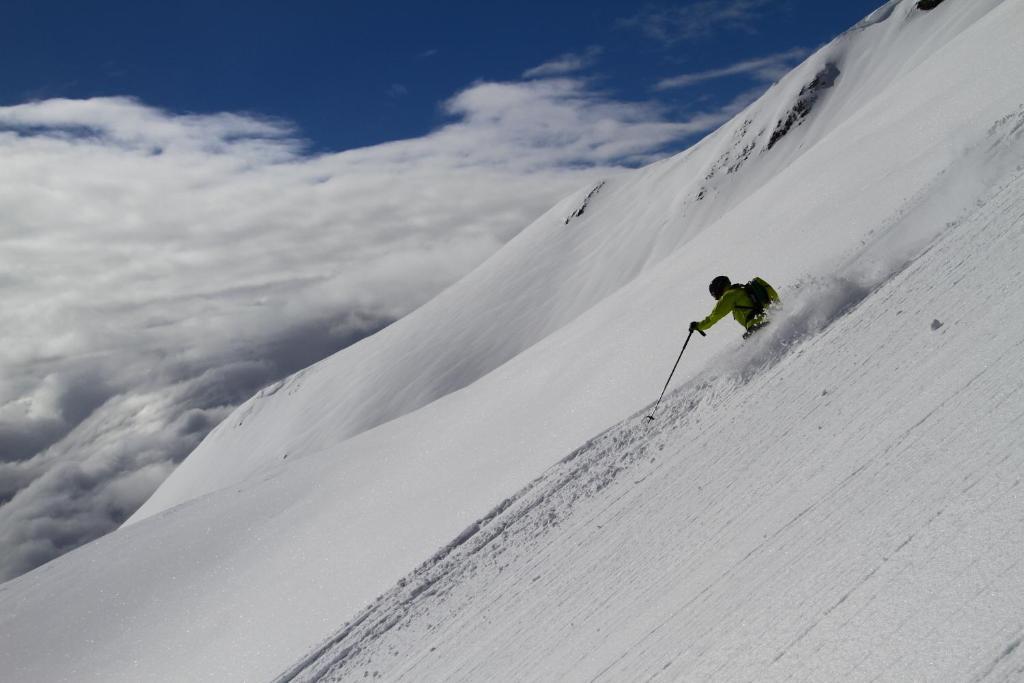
(748, 304)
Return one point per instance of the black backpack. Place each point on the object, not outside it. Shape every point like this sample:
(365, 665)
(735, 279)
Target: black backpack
(758, 293)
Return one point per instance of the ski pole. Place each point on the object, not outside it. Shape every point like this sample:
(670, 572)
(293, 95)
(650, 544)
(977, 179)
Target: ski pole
(651, 416)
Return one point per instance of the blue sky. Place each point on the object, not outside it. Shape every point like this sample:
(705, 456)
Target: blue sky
(353, 74)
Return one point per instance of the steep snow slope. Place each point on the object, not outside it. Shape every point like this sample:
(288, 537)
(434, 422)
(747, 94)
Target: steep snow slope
(842, 507)
(556, 270)
(573, 324)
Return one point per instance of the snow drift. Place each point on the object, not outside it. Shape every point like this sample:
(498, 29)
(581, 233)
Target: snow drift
(325, 490)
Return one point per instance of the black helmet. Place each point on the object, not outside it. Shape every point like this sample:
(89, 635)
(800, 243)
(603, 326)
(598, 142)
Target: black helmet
(718, 286)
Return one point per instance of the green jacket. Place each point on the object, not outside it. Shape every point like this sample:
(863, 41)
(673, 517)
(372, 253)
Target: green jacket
(744, 309)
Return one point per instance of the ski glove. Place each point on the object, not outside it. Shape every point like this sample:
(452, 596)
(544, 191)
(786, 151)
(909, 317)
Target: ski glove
(693, 326)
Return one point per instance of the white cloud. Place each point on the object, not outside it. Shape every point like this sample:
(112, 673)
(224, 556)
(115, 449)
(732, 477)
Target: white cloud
(702, 19)
(126, 122)
(766, 69)
(157, 269)
(566, 64)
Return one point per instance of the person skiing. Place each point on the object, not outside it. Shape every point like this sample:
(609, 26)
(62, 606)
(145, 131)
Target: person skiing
(748, 304)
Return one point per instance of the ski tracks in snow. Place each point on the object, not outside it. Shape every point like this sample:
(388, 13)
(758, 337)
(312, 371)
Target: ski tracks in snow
(862, 520)
(513, 531)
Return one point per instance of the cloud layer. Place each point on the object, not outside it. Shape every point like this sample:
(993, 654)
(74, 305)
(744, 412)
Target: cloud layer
(700, 20)
(159, 268)
(568, 63)
(764, 69)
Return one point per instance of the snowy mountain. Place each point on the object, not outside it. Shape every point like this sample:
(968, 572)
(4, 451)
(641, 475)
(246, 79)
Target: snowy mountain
(838, 498)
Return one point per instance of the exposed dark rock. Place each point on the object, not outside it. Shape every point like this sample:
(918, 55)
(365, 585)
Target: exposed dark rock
(732, 160)
(928, 4)
(744, 155)
(586, 202)
(805, 102)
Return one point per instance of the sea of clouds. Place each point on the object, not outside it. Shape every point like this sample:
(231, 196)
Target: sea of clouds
(158, 268)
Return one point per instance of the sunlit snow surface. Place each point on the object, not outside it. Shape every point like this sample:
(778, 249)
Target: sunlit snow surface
(835, 507)
(838, 498)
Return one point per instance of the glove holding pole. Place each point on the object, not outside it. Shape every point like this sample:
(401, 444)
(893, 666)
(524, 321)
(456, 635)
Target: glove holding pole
(693, 328)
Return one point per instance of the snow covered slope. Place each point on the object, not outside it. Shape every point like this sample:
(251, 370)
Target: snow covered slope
(792, 515)
(558, 269)
(322, 492)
